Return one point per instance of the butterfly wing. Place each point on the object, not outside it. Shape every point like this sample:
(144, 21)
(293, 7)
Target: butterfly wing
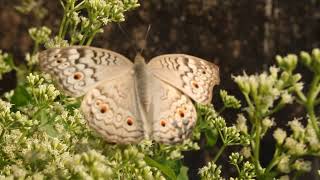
(193, 76)
(79, 68)
(172, 112)
(110, 108)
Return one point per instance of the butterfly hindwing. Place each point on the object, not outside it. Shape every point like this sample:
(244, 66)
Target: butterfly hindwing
(110, 108)
(193, 76)
(79, 68)
(173, 114)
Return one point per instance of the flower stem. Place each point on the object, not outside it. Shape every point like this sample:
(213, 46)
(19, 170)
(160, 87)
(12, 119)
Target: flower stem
(274, 160)
(222, 109)
(61, 29)
(89, 41)
(312, 95)
(219, 152)
(256, 148)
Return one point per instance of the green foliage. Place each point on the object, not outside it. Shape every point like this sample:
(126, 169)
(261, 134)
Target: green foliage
(52, 139)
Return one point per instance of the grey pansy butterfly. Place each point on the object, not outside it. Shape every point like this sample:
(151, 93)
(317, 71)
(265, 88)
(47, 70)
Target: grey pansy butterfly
(127, 102)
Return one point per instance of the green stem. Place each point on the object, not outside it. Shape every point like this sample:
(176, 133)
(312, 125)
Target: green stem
(89, 41)
(256, 148)
(296, 175)
(251, 107)
(301, 96)
(279, 106)
(222, 109)
(65, 29)
(313, 120)
(219, 153)
(312, 95)
(274, 161)
(61, 29)
(86, 33)
(2, 133)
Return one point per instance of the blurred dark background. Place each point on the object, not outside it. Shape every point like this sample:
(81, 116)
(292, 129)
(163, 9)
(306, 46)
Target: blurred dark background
(238, 36)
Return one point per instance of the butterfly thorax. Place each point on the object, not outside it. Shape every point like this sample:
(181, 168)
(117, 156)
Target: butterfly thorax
(142, 76)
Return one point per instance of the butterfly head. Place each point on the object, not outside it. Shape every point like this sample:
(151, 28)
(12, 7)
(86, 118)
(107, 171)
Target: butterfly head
(139, 59)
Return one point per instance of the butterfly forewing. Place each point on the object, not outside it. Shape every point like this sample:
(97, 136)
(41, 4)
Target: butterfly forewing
(79, 68)
(193, 76)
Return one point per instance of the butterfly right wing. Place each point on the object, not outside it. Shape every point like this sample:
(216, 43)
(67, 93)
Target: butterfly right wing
(79, 68)
(172, 113)
(111, 109)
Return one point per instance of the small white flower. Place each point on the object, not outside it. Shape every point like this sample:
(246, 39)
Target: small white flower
(246, 152)
(297, 128)
(284, 164)
(301, 165)
(267, 123)
(286, 98)
(279, 135)
(290, 143)
(242, 123)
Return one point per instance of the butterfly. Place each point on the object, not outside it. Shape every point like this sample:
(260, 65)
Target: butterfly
(127, 102)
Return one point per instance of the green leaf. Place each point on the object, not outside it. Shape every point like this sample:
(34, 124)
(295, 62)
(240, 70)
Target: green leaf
(20, 97)
(183, 175)
(211, 137)
(164, 169)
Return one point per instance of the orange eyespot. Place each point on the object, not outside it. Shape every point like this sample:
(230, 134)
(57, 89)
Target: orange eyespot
(103, 108)
(130, 121)
(195, 85)
(181, 113)
(77, 76)
(163, 123)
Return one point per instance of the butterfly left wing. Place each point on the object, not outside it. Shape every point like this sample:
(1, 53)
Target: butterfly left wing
(111, 109)
(193, 76)
(173, 114)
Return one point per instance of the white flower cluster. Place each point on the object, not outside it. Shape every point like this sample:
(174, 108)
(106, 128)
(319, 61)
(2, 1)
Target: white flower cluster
(229, 101)
(210, 172)
(245, 169)
(261, 91)
(5, 63)
(302, 141)
(43, 93)
(85, 18)
(40, 35)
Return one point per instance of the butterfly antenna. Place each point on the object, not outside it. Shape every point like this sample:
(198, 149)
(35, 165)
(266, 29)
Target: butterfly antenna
(145, 38)
(127, 37)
